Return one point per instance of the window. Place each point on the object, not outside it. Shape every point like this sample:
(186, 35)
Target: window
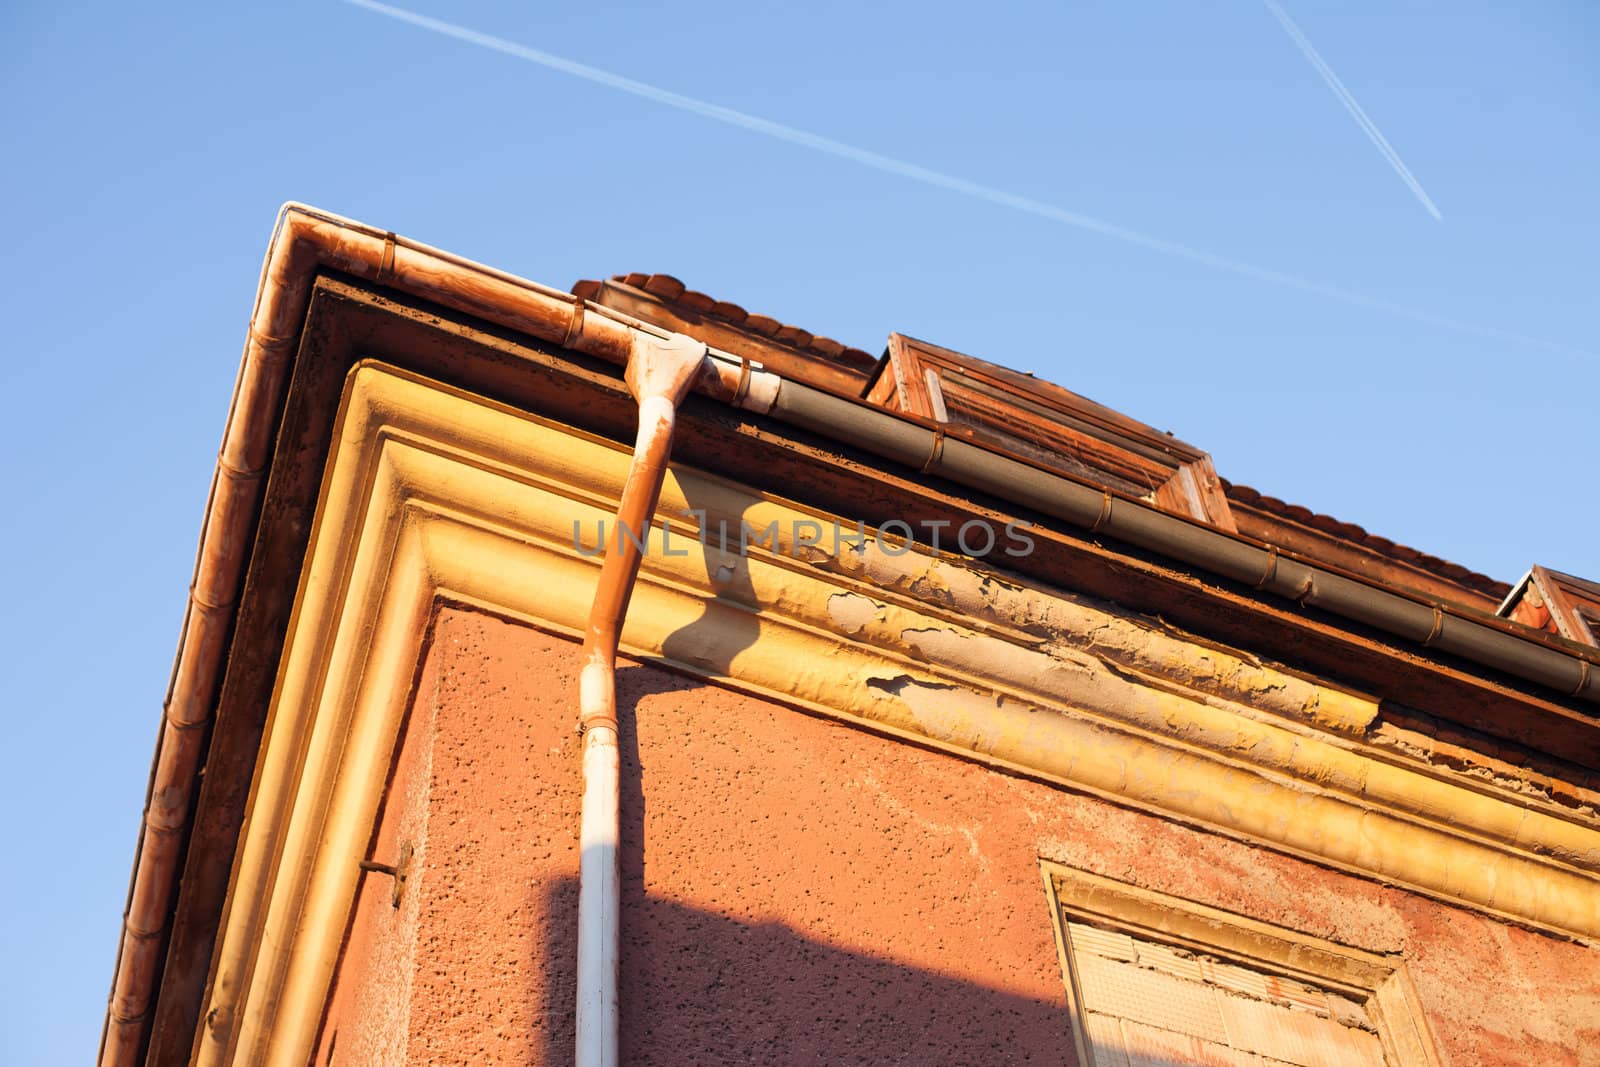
(1156, 981)
(1558, 603)
(1050, 426)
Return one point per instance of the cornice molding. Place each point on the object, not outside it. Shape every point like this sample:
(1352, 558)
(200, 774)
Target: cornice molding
(435, 495)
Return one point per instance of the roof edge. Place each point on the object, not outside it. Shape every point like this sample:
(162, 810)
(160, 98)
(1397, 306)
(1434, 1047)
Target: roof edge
(306, 240)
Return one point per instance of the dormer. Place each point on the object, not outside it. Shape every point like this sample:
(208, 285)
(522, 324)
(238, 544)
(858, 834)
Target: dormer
(1049, 426)
(1556, 603)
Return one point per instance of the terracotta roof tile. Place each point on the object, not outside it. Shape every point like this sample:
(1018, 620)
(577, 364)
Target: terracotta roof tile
(664, 285)
(696, 301)
(762, 324)
(1349, 531)
(673, 292)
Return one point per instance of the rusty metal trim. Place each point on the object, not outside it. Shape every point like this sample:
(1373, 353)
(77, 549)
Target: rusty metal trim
(180, 724)
(386, 260)
(1105, 512)
(742, 390)
(575, 326)
(1438, 628)
(399, 870)
(1271, 571)
(935, 453)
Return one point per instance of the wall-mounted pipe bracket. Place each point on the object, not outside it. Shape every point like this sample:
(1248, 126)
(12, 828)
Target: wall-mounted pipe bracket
(399, 870)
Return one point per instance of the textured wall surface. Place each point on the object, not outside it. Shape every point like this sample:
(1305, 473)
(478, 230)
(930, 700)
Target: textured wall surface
(797, 891)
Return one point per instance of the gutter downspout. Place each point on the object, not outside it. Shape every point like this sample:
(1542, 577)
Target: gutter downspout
(659, 374)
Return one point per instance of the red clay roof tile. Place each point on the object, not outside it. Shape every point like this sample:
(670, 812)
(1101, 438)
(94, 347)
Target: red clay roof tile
(1349, 531)
(673, 292)
(664, 285)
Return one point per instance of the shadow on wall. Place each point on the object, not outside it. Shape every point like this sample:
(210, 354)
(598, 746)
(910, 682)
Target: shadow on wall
(701, 988)
(700, 644)
(704, 988)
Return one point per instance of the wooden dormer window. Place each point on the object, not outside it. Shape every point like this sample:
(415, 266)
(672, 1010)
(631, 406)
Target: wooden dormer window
(1556, 603)
(1049, 426)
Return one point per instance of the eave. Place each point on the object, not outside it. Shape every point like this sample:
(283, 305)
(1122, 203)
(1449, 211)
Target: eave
(333, 294)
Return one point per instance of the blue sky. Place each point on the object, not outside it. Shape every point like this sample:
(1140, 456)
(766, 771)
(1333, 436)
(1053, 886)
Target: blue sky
(147, 149)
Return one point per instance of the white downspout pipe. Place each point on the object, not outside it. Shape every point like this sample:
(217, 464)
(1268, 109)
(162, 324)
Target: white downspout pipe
(660, 371)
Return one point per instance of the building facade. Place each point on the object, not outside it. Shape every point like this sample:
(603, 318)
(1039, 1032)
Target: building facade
(956, 719)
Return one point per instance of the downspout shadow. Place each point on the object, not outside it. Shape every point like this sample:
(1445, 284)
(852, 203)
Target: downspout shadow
(727, 625)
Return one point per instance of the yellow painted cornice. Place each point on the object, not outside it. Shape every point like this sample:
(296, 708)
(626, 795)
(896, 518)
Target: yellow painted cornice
(432, 495)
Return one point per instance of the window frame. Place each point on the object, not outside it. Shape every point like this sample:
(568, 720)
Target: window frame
(1380, 982)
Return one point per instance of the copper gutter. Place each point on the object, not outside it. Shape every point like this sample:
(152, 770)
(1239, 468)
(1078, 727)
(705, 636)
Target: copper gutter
(659, 375)
(1568, 668)
(307, 240)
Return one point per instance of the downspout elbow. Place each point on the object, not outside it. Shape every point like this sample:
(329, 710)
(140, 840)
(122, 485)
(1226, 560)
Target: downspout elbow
(659, 374)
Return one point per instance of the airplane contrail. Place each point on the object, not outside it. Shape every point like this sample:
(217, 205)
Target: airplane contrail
(1370, 128)
(951, 183)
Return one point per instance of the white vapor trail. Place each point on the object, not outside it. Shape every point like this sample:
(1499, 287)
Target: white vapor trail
(1370, 128)
(940, 180)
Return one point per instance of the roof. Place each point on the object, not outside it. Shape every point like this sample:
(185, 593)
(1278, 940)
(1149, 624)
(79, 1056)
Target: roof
(792, 351)
(1357, 536)
(796, 352)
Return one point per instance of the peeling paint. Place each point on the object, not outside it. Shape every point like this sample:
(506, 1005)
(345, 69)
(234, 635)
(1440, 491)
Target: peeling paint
(851, 612)
(1065, 624)
(1535, 783)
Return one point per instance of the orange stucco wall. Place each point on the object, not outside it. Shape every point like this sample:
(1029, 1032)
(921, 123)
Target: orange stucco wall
(800, 891)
